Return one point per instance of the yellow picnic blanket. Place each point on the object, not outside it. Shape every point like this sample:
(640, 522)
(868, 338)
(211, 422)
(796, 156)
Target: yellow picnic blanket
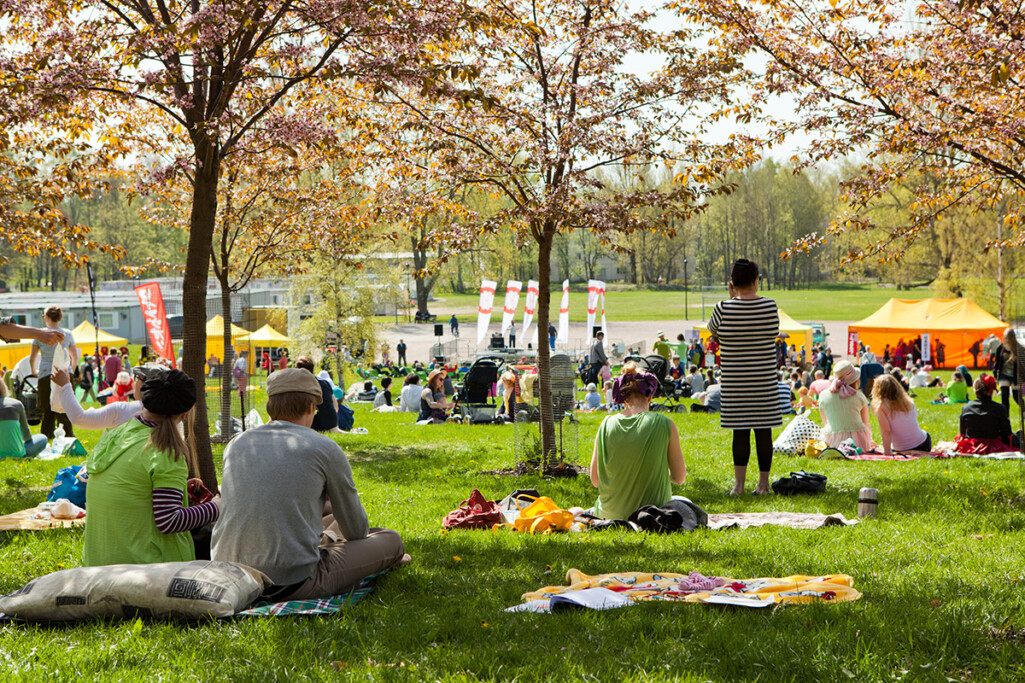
(642, 586)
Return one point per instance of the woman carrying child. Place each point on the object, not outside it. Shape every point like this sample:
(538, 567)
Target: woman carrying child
(898, 418)
(138, 477)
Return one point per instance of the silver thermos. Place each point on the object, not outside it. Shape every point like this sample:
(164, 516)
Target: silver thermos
(868, 502)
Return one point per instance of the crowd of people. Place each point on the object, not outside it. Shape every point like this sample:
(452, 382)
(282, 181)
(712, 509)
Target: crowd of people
(288, 504)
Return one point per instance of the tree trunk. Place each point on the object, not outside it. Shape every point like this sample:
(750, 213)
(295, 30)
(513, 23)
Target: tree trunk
(227, 358)
(544, 366)
(197, 268)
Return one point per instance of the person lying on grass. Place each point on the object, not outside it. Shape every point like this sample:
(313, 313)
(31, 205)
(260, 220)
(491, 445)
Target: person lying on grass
(138, 475)
(636, 453)
(275, 515)
(114, 413)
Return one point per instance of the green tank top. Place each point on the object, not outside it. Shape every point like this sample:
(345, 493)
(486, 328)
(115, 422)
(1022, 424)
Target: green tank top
(633, 464)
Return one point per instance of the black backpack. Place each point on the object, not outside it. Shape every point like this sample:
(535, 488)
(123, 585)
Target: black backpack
(800, 482)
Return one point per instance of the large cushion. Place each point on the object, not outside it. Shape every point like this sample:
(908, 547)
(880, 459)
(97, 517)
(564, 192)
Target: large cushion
(186, 590)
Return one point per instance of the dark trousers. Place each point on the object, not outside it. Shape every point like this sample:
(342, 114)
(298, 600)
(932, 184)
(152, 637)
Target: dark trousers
(48, 416)
(402, 357)
(595, 372)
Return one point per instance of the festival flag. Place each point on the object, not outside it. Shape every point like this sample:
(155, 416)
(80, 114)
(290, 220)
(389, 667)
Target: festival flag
(563, 337)
(487, 301)
(512, 300)
(601, 292)
(593, 287)
(155, 315)
(529, 308)
(852, 343)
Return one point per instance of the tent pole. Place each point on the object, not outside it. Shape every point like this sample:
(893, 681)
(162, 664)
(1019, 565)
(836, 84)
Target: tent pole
(96, 324)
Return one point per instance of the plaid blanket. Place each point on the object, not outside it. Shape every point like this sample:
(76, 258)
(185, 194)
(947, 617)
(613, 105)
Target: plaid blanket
(331, 605)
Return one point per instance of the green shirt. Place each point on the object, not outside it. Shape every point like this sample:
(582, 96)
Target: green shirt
(842, 414)
(633, 464)
(957, 392)
(119, 526)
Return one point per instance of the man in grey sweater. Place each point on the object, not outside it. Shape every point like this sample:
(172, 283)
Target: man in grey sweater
(596, 357)
(273, 514)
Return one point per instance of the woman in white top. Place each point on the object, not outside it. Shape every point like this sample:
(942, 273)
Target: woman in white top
(898, 418)
(409, 399)
(111, 415)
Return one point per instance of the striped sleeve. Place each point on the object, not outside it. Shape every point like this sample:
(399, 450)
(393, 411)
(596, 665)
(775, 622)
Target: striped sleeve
(171, 517)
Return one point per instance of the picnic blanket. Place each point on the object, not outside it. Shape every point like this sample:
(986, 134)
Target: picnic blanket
(939, 454)
(695, 587)
(319, 606)
(32, 519)
(792, 520)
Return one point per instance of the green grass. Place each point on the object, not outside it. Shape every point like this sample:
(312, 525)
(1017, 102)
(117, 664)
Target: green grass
(837, 302)
(940, 570)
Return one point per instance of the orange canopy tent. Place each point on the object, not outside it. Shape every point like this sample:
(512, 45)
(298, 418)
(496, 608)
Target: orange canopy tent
(953, 325)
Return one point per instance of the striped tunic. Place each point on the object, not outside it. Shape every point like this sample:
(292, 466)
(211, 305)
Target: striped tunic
(746, 330)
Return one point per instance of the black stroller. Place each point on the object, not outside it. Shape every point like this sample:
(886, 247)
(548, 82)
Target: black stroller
(476, 395)
(26, 390)
(668, 390)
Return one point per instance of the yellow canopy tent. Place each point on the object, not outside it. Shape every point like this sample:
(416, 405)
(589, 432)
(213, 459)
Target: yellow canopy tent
(954, 327)
(10, 354)
(267, 336)
(86, 338)
(215, 339)
(798, 334)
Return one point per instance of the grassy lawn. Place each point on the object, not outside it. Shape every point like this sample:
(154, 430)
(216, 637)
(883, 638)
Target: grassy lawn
(942, 582)
(840, 302)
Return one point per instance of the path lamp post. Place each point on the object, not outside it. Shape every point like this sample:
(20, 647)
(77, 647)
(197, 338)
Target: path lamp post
(685, 288)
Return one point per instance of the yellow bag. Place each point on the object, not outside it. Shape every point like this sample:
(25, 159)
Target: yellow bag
(815, 448)
(542, 516)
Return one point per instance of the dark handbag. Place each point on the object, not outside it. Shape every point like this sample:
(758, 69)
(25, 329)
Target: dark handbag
(475, 512)
(800, 482)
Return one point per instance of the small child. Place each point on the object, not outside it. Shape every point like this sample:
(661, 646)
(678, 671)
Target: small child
(609, 404)
(804, 400)
(697, 382)
(122, 386)
(592, 401)
(957, 390)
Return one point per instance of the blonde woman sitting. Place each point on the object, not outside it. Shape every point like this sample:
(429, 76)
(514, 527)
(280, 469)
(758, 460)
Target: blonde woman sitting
(844, 409)
(637, 455)
(898, 417)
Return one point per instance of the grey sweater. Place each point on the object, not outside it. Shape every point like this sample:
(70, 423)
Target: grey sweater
(272, 500)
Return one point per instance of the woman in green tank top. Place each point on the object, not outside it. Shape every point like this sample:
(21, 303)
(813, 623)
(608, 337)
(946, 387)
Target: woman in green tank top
(637, 453)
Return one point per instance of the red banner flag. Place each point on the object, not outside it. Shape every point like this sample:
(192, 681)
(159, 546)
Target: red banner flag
(153, 313)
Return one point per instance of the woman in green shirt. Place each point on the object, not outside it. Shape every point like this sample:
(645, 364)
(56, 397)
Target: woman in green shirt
(138, 476)
(637, 453)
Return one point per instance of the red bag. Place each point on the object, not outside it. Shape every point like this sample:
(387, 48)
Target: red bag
(474, 513)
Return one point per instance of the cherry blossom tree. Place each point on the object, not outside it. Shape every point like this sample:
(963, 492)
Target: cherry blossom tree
(543, 106)
(930, 90)
(122, 79)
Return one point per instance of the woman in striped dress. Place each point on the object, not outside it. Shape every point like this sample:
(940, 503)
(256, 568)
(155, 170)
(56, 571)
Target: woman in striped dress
(746, 326)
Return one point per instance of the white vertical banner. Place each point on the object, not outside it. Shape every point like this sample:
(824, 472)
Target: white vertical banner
(604, 327)
(512, 300)
(487, 301)
(592, 306)
(529, 308)
(926, 347)
(563, 337)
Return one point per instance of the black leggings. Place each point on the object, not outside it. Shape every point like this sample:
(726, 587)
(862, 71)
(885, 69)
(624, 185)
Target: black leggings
(1005, 397)
(742, 448)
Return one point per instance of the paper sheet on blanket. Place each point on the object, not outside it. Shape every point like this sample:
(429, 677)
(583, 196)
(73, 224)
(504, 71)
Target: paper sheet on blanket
(590, 598)
(741, 600)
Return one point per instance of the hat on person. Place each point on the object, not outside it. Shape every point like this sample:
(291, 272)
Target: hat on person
(592, 387)
(434, 373)
(846, 373)
(170, 392)
(661, 333)
(293, 380)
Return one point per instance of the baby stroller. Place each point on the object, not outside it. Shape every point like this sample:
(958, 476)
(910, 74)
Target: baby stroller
(476, 395)
(668, 390)
(26, 391)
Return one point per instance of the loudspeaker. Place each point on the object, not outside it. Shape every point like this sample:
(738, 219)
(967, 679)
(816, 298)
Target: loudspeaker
(439, 329)
(497, 341)
(595, 330)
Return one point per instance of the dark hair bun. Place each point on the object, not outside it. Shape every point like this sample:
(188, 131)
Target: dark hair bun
(744, 273)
